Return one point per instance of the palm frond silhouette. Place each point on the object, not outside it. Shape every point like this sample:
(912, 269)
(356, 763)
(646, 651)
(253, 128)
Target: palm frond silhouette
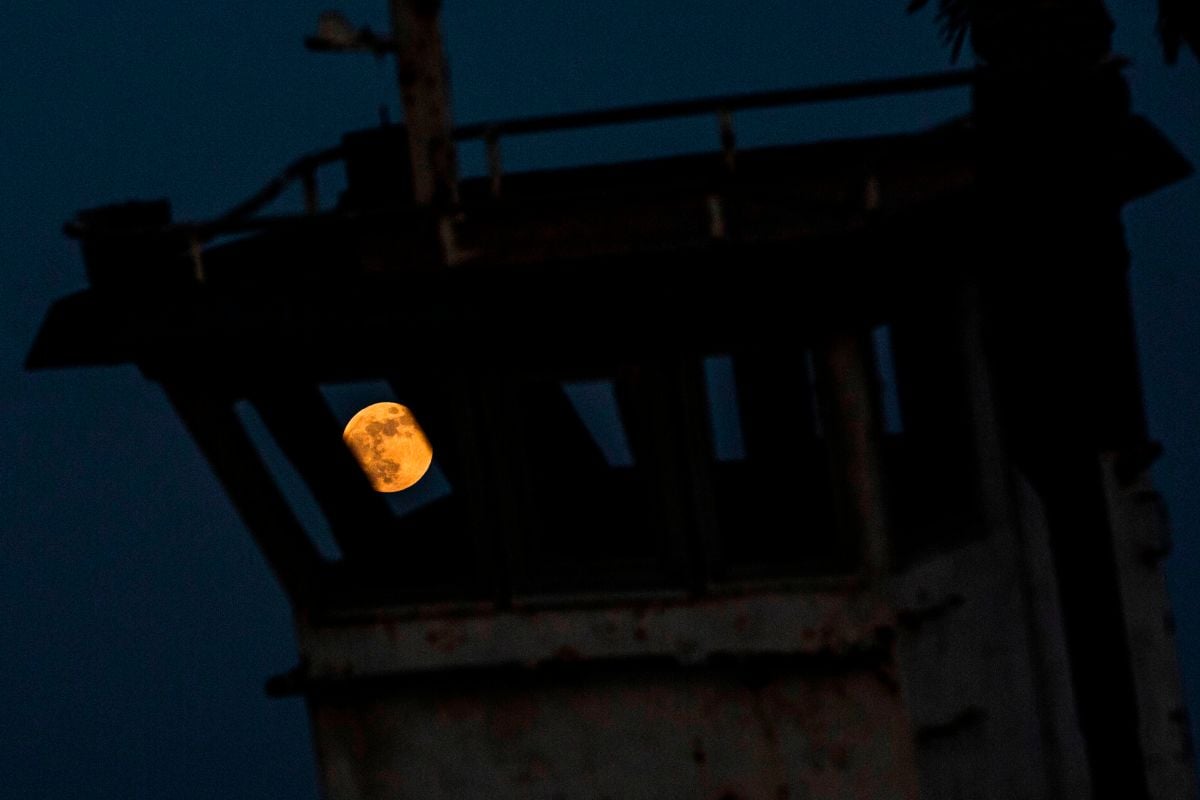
(954, 21)
(1178, 23)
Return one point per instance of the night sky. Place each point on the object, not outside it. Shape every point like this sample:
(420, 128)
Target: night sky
(139, 623)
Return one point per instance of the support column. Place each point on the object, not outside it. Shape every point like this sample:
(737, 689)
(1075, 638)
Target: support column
(425, 92)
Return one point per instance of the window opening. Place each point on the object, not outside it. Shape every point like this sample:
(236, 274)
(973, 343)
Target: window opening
(595, 402)
(725, 418)
(347, 399)
(885, 364)
(295, 490)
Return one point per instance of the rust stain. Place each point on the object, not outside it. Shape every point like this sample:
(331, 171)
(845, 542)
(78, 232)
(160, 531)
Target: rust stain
(558, 623)
(567, 653)
(513, 718)
(446, 638)
(346, 726)
(390, 778)
(453, 710)
(594, 709)
(535, 771)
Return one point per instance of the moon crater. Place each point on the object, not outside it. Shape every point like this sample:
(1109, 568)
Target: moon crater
(389, 445)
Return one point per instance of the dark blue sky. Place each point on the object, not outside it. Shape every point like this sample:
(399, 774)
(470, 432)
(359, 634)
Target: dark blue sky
(138, 620)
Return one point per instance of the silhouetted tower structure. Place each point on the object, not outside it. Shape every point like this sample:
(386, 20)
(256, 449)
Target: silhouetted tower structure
(816, 470)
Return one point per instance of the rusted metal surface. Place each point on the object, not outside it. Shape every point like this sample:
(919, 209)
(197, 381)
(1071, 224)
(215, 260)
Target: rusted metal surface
(984, 712)
(634, 733)
(766, 696)
(688, 631)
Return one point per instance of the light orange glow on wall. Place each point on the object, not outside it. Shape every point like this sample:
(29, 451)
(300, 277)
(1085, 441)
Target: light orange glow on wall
(390, 446)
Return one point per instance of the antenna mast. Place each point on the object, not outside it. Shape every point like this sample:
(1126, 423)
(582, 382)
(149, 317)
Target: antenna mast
(425, 92)
(422, 74)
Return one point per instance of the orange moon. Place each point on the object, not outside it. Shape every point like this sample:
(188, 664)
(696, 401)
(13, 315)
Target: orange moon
(390, 446)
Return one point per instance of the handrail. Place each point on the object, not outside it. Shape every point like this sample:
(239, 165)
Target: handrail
(240, 217)
(716, 104)
(302, 168)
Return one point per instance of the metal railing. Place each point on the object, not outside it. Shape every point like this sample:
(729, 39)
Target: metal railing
(241, 217)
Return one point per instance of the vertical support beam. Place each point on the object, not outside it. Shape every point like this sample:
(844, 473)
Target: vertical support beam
(312, 201)
(1038, 671)
(1081, 538)
(844, 367)
(425, 92)
(279, 535)
(655, 401)
(704, 543)
(311, 437)
(495, 161)
(450, 414)
(1048, 119)
(1141, 540)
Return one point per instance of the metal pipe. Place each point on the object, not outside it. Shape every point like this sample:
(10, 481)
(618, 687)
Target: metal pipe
(728, 103)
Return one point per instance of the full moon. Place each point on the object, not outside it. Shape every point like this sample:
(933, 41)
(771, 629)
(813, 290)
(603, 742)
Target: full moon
(390, 446)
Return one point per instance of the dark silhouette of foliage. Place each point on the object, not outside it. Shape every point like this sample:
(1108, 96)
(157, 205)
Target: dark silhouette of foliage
(954, 21)
(1178, 24)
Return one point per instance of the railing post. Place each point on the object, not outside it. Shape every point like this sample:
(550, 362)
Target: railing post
(495, 164)
(728, 137)
(845, 367)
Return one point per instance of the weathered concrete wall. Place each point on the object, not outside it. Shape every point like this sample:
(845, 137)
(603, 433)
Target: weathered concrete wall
(780, 695)
(1141, 540)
